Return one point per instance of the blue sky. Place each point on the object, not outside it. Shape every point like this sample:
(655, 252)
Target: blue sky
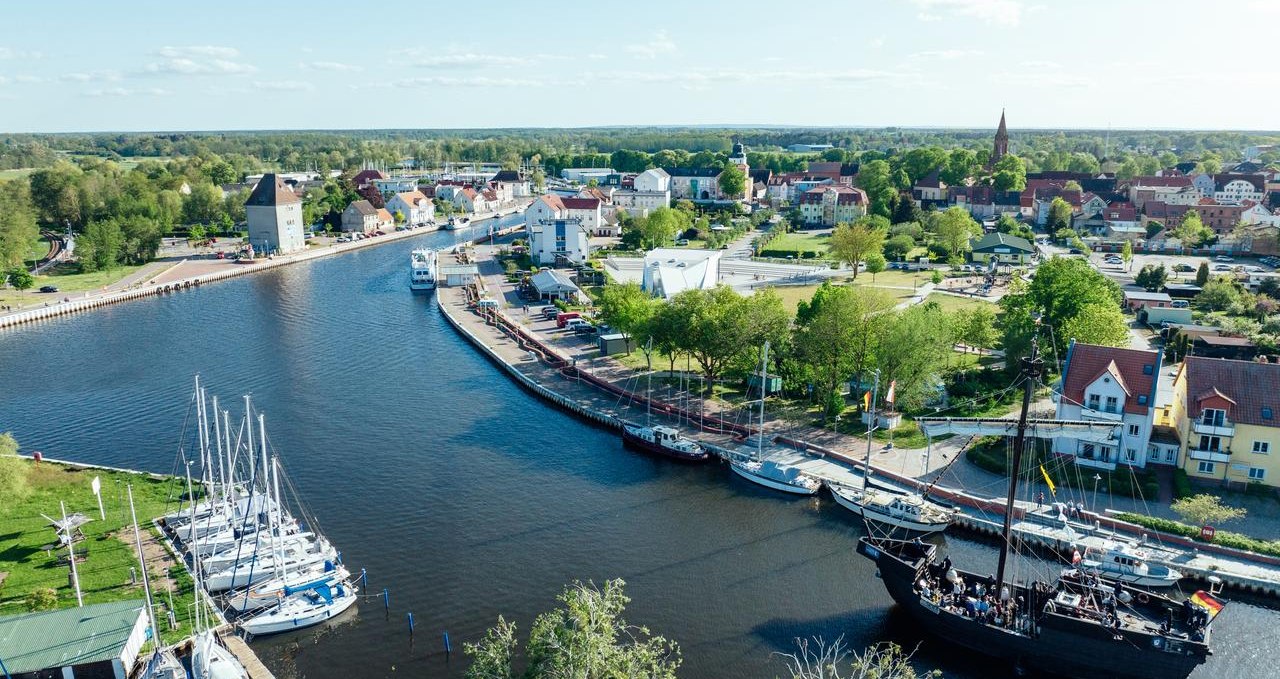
(87, 66)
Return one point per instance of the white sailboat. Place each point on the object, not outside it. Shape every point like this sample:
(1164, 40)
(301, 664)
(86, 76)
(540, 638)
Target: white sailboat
(163, 663)
(271, 591)
(209, 659)
(770, 473)
(1129, 564)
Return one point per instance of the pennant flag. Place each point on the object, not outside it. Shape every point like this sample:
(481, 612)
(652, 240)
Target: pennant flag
(1053, 490)
(889, 397)
(866, 401)
(1202, 599)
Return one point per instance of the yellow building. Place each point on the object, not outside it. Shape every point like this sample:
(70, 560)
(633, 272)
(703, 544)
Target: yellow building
(1225, 413)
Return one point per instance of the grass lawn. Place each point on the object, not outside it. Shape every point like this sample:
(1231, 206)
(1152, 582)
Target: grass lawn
(792, 295)
(67, 279)
(18, 173)
(951, 303)
(797, 242)
(891, 278)
(104, 558)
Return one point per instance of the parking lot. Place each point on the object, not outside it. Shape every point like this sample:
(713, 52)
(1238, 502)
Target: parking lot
(1182, 268)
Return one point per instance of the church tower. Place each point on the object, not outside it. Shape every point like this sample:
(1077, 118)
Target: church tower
(1001, 147)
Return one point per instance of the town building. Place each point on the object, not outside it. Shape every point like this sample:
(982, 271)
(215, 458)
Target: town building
(640, 203)
(97, 640)
(1234, 188)
(273, 214)
(512, 184)
(557, 239)
(585, 174)
(1113, 386)
(415, 208)
(1225, 414)
(832, 204)
(456, 275)
(652, 180)
(366, 178)
(699, 184)
(586, 211)
(670, 271)
(360, 217)
(552, 285)
(809, 148)
(1001, 248)
(929, 189)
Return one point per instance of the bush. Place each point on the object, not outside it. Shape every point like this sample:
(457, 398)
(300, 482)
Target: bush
(1224, 538)
(43, 599)
(1181, 483)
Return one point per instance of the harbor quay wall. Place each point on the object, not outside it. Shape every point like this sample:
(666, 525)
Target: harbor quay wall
(977, 514)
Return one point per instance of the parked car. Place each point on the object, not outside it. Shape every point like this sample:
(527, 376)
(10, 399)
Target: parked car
(49, 288)
(1180, 304)
(1221, 267)
(1183, 268)
(1224, 258)
(564, 317)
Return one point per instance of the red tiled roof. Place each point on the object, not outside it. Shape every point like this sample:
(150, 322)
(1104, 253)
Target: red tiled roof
(1250, 386)
(1087, 362)
(365, 176)
(1161, 181)
(580, 203)
(553, 201)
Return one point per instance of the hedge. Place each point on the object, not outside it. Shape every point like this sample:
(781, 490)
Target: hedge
(1223, 538)
(1181, 484)
(989, 453)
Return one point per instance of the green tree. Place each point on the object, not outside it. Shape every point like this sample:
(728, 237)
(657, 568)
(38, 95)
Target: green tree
(55, 193)
(961, 164)
(875, 264)
(586, 636)
(821, 660)
(1152, 277)
(905, 212)
(876, 179)
(1202, 274)
(1059, 215)
(13, 473)
(976, 327)
(1205, 510)
(836, 332)
(914, 350)
(1126, 254)
(920, 161)
(626, 307)
(896, 248)
(733, 182)
(954, 227)
(21, 279)
(1191, 230)
(662, 225)
(1009, 174)
(539, 179)
(98, 248)
(851, 243)
(203, 205)
(1060, 290)
(1101, 324)
(18, 228)
(1218, 295)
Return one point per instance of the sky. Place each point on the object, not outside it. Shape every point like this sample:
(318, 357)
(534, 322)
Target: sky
(1127, 64)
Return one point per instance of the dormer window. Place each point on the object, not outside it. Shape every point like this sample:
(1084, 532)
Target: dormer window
(1213, 417)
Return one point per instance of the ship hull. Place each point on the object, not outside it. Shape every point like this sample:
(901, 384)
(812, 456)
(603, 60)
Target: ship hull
(899, 524)
(770, 483)
(632, 441)
(1064, 647)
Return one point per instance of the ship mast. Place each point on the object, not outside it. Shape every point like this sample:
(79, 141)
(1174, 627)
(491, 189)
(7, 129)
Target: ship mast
(1032, 367)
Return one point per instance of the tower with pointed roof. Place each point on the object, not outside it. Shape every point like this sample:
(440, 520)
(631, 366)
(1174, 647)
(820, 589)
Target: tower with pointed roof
(274, 216)
(1001, 147)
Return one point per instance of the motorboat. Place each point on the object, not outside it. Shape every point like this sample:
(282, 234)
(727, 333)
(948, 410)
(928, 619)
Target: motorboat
(665, 441)
(422, 269)
(1129, 564)
(898, 511)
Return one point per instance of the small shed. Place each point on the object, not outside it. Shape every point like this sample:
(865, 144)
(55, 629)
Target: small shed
(616, 343)
(1182, 290)
(1159, 315)
(1142, 299)
(99, 640)
(1222, 346)
(459, 274)
(552, 285)
(773, 382)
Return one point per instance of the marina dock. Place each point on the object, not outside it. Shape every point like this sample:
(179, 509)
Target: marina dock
(542, 370)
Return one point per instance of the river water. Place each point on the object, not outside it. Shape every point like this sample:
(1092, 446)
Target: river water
(462, 495)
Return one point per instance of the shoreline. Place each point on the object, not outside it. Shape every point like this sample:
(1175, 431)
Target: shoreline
(23, 317)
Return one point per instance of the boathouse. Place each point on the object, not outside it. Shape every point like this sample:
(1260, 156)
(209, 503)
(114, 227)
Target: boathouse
(455, 275)
(99, 640)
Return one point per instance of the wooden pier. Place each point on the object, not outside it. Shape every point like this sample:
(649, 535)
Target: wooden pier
(246, 656)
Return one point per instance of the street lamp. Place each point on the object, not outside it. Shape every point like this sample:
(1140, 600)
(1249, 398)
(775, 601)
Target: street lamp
(1096, 479)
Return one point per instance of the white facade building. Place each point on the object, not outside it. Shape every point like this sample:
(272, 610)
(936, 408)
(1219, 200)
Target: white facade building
(274, 217)
(670, 271)
(551, 239)
(654, 180)
(416, 208)
(1110, 385)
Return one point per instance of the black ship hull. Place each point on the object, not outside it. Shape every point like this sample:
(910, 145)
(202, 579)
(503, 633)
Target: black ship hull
(632, 441)
(1056, 645)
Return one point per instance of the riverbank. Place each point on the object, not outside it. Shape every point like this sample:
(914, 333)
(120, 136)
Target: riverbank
(194, 272)
(605, 395)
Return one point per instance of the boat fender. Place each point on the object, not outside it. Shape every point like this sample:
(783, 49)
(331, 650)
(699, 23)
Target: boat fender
(1142, 598)
(1125, 597)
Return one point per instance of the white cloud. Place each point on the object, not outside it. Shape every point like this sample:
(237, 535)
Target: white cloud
(284, 85)
(11, 53)
(477, 81)
(702, 78)
(4, 80)
(946, 55)
(28, 79)
(206, 51)
(876, 43)
(127, 92)
(469, 60)
(1007, 12)
(189, 66)
(94, 76)
(597, 56)
(656, 46)
(330, 66)
(1043, 79)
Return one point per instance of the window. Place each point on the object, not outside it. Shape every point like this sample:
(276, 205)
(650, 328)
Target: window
(1130, 455)
(1088, 451)
(1148, 368)
(1206, 467)
(1213, 443)
(1111, 404)
(1266, 413)
(1142, 399)
(1213, 417)
(1135, 430)
(1094, 401)
(1257, 473)
(1262, 447)
(1170, 455)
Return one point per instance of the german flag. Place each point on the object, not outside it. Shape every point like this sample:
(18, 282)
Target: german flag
(1202, 599)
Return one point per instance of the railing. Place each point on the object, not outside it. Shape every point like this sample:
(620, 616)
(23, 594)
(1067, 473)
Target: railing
(1225, 429)
(1209, 455)
(1096, 414)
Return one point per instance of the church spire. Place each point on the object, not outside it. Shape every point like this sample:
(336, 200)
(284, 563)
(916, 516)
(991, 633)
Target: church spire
(1001, 147)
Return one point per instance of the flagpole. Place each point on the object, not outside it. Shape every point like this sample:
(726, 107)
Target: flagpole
(871, 427)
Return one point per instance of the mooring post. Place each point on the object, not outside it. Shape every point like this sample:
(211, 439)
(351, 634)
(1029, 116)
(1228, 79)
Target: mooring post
(447, 647)
(410, 623)
(386, 601)
(364, 579)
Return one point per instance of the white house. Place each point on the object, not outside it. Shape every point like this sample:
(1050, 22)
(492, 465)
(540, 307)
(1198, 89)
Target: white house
(585, 174)
(653, 180)
(274, 216)
(510, 184)
(670, 271)
(416, 208)
(640, 203)
(1110, 385)
(554, 238)
(550, 207)
(1236, 188)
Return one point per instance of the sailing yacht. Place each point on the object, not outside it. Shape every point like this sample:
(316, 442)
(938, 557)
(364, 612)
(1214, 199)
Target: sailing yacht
(660, 439)
(1077, 625)
(209, 659)
(271, 591)
(771, 473)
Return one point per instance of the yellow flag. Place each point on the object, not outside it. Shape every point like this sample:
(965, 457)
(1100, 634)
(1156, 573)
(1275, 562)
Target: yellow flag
(866, 401)
(1052, 490)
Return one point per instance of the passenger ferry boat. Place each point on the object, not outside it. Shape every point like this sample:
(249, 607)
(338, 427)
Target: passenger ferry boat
(422, 270)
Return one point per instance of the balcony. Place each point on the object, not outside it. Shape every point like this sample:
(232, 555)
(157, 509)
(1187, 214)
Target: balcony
(1093, 414)
(1209, 455)
(1227, 429)
(1095, 464)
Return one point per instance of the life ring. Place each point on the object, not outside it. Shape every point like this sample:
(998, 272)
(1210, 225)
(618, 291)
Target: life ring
(1143, 598)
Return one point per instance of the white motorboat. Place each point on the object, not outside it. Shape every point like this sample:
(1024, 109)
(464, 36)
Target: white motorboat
(777, 476)
(272, 591)
(304, 609)
(900, 511)
(422, 270)
(1129, 564)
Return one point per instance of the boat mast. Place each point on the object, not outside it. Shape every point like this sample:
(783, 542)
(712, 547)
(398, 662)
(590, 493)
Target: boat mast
(871, 427)
(146, 581)
(648, 385)
(1032, 367)
(764, 386)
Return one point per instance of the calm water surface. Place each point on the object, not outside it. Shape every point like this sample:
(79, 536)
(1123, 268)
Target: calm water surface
(461, 494)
